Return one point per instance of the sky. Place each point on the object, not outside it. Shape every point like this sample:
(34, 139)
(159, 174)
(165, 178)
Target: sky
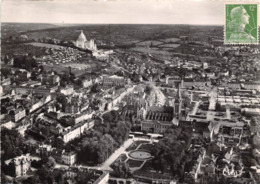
(205, 12)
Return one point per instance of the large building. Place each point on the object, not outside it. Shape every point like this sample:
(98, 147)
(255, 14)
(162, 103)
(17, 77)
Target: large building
(114, 80)
(17, 114)
(158, 119)
(156, 126)
(69, 158)
(88, 176)
(157, 113)
(76, 131)
(20, 165)
(83, 43)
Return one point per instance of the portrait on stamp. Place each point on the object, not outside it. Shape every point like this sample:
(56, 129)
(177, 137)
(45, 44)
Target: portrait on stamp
(241, 24)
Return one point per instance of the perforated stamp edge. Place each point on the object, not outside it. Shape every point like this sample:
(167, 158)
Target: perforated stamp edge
(224, 21)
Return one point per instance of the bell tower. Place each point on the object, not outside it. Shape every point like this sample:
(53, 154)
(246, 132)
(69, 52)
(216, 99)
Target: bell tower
(178, 102)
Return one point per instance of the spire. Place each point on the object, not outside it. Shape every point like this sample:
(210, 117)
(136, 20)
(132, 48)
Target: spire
(178, 97)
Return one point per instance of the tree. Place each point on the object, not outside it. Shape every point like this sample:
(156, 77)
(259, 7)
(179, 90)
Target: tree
(182, 72)
(58, 143)
(36, 164)
(41, 68)
(95, 88)
(5, 71)
(4, 179)
(12, 143)
(31, 180)
(256, 141)
(43, 174)
(169, 152)
(121, 169)
(255, 120)
(33, 75)
(108, 117)
(72, 76)
(99, 144)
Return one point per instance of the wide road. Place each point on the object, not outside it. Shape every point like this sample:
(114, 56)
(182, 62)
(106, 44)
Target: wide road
(194, 110)
(115, 155)
(160, 98)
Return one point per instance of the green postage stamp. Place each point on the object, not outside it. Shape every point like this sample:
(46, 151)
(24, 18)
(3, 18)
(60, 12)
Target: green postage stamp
(241, 24)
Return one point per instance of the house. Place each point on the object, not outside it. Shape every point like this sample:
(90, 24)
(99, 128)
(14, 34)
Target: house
(69, 158)
(190, 83)
(68, 90)
(172, 80)
(234, 85)
(252, 86)
(50, 79)
(255, 127)
(24, 125)
(6, 82)
(17, 114)
(56, 128)
(87, 82)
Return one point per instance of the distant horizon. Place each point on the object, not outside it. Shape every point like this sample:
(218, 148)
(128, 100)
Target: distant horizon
(109, 23)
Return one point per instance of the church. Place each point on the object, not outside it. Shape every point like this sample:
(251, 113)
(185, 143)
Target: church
(83, 43)
(156, 119)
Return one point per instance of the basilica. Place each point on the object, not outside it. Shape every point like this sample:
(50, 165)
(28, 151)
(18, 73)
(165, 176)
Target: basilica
(83, 43)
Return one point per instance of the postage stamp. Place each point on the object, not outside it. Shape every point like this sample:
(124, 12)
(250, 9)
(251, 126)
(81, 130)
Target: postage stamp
(241, 24)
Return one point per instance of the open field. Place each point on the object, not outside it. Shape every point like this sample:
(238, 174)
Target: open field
(169, 45)
(78, 66)
(149, 43)
(150, 50)
(170, 40)
(51, 46)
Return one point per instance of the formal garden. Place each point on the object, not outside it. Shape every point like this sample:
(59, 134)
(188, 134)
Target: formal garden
(164, 159)
(136, 155)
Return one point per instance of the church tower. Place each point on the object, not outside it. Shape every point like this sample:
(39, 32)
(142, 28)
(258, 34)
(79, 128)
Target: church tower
(178, 102)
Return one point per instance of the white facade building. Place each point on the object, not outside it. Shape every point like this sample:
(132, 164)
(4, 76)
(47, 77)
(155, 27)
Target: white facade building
(69, 158)
(83, 43)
